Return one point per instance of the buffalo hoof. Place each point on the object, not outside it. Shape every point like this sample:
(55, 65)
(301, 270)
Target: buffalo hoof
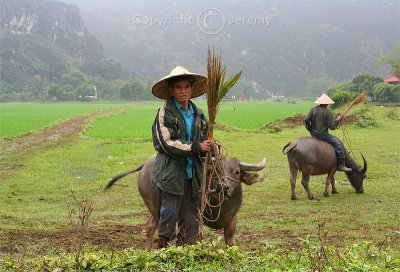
(311, 197)
(294, 198)
(326, 194)
(335, 192)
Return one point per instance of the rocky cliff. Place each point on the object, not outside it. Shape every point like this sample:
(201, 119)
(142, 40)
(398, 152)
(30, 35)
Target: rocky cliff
(43, 39)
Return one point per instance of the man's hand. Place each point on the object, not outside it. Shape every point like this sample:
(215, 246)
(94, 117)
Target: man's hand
(339, 118)
(206, 145)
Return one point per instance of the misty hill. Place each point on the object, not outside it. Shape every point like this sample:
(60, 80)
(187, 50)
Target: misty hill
(301, 47)
(296, 48)
(43, 39)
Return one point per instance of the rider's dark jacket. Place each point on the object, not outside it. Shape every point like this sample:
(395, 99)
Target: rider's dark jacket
(319, 120)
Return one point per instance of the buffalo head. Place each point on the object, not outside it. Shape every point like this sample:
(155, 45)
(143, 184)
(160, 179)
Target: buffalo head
(356, 177)
(224, 193)
(232, 173)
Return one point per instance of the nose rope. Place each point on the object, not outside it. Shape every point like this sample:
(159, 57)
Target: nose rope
(228, 177)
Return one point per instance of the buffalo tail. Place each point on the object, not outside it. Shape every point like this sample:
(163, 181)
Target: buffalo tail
(289, 146)
(116, 178)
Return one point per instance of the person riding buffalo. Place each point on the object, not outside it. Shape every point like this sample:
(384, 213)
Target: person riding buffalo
(319, 120)
(180, 136)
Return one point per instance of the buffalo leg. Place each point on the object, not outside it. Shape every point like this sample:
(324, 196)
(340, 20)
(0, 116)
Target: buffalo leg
(305, 178)
(151, 226)
(332, 178)
(327, 184)
(229, 232)
(293, 176)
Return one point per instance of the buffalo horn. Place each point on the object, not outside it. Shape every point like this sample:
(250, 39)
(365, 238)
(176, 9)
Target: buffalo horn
(365, 164)
(253, 167)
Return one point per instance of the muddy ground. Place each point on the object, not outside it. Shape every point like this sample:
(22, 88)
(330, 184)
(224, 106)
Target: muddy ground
(298, 120)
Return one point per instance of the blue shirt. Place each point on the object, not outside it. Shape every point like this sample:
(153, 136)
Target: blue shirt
(188, 117)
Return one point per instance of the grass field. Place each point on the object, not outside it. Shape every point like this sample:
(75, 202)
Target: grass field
(37, 206)
(137, 122)
(253, 115)
(17, 118)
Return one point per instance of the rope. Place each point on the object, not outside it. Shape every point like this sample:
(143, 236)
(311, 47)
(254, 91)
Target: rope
(213, 171)
(346, 137)
(347, 140)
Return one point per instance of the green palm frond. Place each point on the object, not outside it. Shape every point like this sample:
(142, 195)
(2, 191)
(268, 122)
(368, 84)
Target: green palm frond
(224, 87)
(217, 87)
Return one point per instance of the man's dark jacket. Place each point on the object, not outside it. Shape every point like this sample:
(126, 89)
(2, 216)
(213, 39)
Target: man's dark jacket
(169, 139)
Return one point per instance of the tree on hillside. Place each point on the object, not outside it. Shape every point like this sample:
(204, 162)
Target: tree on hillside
(104, 88)
(110, 68)
(392, 60)
(125, 91)
(73, 78)
(133, 90)
(7, 92)
(341, 96)
(60, 92)
(139, 90)
(347, 91)
(386, 92)
(85, 90)
(147, 90)
(365, 82)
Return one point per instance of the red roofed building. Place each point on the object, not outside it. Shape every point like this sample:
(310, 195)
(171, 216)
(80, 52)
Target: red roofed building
(392, 80)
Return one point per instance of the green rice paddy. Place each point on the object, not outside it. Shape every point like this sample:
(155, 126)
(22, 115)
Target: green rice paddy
(18, 118)
(136, 121)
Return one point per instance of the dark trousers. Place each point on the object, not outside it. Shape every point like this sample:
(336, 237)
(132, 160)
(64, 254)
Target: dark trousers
(337, 145)
(178, 209)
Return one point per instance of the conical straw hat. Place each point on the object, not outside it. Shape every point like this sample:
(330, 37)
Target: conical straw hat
(324, 100)
(162, 90)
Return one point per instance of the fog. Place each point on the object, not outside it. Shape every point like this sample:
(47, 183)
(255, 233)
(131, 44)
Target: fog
(288, 47)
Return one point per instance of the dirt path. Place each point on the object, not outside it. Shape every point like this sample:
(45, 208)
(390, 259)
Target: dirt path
(65, 131)
(107, 237)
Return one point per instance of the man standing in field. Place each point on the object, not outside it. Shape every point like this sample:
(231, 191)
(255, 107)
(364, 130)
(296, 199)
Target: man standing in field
(319, 120)
(180, 132)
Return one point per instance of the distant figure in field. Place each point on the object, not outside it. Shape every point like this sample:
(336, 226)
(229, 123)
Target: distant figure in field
(319, 120)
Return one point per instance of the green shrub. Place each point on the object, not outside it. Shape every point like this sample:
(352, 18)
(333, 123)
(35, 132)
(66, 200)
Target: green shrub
(342, 97)
(214, 256)
(392, 114)
(366, 122)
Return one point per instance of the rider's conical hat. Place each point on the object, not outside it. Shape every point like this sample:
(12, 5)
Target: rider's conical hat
(324, 100)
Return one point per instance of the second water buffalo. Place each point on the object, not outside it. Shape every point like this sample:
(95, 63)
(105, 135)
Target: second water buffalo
(314, 157)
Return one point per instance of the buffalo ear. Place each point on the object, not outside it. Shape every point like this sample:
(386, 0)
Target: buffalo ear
(251, 178)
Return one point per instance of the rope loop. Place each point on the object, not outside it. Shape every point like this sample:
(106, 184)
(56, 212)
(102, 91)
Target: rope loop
(215, 182)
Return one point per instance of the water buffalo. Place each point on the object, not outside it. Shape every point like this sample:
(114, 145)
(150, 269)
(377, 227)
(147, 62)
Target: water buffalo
(314, 157)
(215, 216)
